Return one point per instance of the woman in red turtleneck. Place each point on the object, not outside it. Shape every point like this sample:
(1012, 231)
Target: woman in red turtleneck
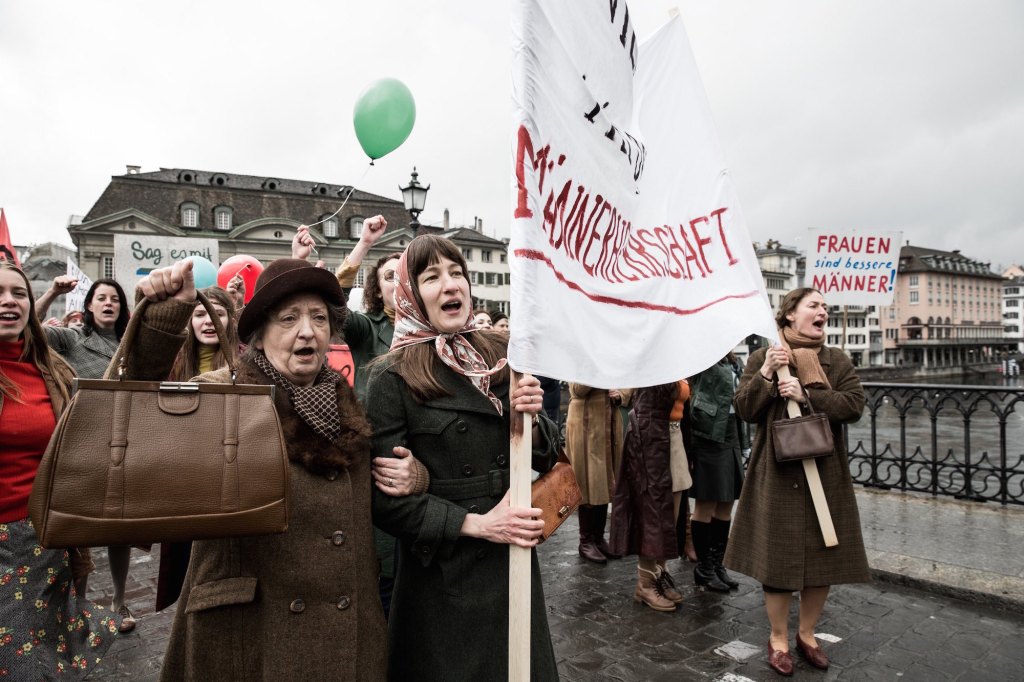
(46, 629)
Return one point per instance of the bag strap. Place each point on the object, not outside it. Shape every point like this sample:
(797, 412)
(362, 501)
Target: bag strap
(135, 321)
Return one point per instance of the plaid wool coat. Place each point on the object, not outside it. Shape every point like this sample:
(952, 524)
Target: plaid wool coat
(775, 535)
(88, 354)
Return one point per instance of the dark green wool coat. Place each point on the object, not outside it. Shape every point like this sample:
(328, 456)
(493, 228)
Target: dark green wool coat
(775, 535)
(449, 613)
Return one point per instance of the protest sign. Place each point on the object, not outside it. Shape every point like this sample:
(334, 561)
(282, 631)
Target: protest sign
(76, 299)
(630, 258)
(853, 268)
(135, 256)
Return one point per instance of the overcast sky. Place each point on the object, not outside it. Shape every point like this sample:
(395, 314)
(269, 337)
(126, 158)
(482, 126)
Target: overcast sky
(874, 114)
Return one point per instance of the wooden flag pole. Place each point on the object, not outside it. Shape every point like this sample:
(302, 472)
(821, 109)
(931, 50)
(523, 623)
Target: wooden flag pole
(828, 531)
(520, 449)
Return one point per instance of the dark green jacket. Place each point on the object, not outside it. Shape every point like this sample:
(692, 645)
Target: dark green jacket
(449, 613)
(711, 394)
(368, 336)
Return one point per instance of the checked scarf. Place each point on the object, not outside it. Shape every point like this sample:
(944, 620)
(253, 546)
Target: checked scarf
(316, 404)
(412, 327)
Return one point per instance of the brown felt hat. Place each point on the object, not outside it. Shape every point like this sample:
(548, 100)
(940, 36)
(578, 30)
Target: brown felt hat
(281, 279)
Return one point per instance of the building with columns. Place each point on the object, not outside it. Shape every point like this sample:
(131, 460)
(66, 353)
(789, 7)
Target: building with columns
(257, 216)
(947, 312)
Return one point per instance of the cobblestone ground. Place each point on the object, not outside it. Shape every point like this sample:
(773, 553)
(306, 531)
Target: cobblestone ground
(871, 632)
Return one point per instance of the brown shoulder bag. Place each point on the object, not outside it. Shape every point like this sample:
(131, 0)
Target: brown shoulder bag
(805, 437)
(138, 462)
(558, 494)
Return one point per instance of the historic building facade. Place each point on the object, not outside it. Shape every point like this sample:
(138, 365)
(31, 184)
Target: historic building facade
(258, 216)
(947, 311)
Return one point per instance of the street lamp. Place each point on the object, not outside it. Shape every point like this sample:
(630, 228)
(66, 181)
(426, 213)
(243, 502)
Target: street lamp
(415, 198)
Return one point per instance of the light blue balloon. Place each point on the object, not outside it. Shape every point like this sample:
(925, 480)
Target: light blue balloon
(203, 272)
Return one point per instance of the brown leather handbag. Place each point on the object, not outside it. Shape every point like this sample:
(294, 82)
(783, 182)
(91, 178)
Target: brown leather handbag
(138, 462)
(805, 437)
(558, 494)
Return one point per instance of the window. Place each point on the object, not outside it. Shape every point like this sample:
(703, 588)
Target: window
(476, 277)
(190, 215)
(331, 227)
(508, 278)
(913, 280)
(1012, 316)
(355, 228)
(467, 254)
(361, 275)
(222, 218)
(492, 278)
(504, 259)
(1013, 291)
(485, 255)
(108, 267)
(913, 297)
(1012, 304)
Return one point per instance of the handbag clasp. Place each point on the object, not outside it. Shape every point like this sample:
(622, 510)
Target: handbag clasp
(179, 386)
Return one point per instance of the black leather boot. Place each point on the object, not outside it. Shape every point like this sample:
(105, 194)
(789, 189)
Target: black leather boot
(588, 546)
(720, 534)
(704, 574)
(597, 530)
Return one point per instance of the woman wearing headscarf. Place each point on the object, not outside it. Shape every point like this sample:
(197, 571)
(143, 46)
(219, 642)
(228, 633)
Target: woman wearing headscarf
(443, 394)
(301, 604)
(775, 535)
(48, 630)
(89, 350)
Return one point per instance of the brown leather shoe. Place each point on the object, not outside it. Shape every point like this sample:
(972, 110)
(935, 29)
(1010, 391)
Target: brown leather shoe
(649, 592)
(780, 661)
(668, 587)
(812, 654)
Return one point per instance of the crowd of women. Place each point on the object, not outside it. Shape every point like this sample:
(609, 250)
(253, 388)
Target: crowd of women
(395, 561)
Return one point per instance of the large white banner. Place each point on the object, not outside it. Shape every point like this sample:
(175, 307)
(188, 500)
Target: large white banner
(631, 262)
(851, 267)
(135, 256)
(76, 299)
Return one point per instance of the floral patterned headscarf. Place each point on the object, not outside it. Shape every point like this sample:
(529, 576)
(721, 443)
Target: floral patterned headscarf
(412, 326)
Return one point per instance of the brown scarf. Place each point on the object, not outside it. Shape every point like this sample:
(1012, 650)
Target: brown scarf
(804, 351)
(316, 404)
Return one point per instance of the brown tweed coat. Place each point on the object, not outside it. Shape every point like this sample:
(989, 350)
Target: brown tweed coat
(775, 535)
(299, 605)
(593, 441)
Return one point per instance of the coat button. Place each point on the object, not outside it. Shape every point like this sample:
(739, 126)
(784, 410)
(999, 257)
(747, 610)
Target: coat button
(795, 486)
(297, 606)
(467, 470)
(343, 603)
(331, 475)
(501, 460)
(474, 509)
(338, 538)
(461, 426)
(424, 549)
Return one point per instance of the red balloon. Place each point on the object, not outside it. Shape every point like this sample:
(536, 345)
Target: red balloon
(246, 266)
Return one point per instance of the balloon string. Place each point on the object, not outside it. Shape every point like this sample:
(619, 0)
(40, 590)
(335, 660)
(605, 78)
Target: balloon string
(351, 190)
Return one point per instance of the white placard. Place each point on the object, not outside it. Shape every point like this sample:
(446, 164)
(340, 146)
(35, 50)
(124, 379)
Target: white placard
(135, 256)
(76, 299)
(853, 267)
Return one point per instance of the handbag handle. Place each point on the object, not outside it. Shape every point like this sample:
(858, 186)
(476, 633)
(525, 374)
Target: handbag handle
(135, 321)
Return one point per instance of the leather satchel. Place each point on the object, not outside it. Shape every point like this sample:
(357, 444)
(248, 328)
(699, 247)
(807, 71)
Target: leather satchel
(805, 437)
(558, 494)
(138, 462)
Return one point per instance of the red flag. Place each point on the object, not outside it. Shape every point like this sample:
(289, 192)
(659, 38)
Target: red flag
(7, 251)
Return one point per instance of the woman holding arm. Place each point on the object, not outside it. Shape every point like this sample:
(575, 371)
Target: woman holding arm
(443, 394)
(301, 604)
(47, 628)
(775, 535)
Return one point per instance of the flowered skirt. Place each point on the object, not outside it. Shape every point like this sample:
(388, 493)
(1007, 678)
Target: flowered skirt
(46, 630)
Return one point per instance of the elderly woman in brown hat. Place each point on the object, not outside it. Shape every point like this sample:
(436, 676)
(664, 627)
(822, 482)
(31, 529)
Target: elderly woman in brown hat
(302, 604)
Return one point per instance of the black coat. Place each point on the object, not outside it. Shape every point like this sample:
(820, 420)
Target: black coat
(449, 613)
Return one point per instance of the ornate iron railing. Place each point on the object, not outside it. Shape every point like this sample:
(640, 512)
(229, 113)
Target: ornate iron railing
(962, 441)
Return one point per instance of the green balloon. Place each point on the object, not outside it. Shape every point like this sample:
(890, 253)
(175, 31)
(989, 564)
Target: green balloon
(383, 117)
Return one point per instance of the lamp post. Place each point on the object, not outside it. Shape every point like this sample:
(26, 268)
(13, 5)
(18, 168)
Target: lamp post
(415, 198)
